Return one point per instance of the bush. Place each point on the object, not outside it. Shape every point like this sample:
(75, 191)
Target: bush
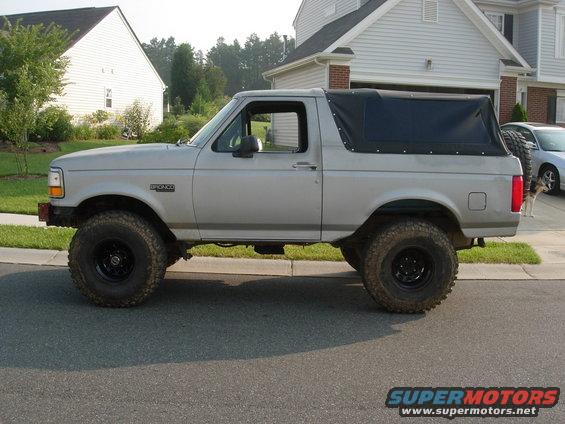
(202, 107)
(53, 123)
(108, 132)
(519, 114)
(98, 117)
(193, 123)
(170, 131)
(137, 118)
(83, 132)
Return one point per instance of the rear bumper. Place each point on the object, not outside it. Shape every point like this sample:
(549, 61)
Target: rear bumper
(56, 216)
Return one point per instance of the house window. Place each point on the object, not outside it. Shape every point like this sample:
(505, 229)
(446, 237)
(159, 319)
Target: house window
(430, 10)
(560, 110)
(560, 34)
(108, 97)
(497, 20)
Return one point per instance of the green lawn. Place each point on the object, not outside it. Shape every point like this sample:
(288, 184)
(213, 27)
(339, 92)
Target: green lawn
(22, 195)
(39, 162)
(59, 239)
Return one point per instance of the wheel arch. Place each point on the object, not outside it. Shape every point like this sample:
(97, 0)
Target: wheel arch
(102, 203)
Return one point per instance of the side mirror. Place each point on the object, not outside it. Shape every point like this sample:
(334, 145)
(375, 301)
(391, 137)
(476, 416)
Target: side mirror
(249, 145)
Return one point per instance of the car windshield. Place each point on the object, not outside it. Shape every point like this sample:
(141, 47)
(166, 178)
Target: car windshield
(552, 140)
(206, 131)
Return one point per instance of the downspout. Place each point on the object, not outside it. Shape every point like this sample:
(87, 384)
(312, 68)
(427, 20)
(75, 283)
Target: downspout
(327, 73)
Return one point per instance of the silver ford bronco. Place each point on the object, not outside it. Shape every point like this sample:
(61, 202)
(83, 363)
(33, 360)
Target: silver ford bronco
(398, 181)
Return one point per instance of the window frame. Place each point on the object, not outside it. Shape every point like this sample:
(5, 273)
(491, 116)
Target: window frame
(301, 113)
(106, 98)
(500, 15)
(557, 102)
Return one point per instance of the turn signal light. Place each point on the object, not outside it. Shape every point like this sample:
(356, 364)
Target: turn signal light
(56, 191)
(517, 193)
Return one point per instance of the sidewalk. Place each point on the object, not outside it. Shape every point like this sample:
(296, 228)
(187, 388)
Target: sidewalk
(198, 265)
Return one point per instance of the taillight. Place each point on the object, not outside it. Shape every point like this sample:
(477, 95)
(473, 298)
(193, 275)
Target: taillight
(517, 193)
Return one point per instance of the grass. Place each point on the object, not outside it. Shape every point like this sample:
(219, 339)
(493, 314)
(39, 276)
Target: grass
(39, 162)
(22, 195)
(59, 239)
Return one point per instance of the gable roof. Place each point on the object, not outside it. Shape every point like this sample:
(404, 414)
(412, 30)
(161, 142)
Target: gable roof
(78, 22)
(332, 32)
(338, 33)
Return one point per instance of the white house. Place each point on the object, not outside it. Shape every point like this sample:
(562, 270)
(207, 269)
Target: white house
(108, 68)
(512, 50)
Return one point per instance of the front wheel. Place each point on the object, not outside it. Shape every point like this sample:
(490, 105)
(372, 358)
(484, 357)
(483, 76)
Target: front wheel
(117, 259)
(410, 266)
(550, 176)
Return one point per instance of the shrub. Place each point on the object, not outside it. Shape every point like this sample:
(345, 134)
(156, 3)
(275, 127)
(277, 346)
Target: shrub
(137, 118)
(178, 108)
(83, 132)
(193, 123)
(98, 117)
(202, 107)
(519, 114)
(108, 132)
(53, 123)
(170, 131)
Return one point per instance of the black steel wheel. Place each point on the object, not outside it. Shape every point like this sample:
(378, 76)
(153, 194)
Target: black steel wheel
(409, 266)
(117, 259)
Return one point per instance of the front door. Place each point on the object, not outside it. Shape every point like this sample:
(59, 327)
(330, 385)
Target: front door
(274, 195)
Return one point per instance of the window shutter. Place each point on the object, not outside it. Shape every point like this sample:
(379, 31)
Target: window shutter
(430, 10)
(552, 109)
(509, 27)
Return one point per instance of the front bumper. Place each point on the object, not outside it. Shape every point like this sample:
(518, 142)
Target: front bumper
(57, 216)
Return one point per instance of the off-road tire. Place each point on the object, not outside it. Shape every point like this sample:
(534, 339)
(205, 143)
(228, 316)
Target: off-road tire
(518, 146)
(353, 256)
(557, 188)
(146, 248)
(382, 252)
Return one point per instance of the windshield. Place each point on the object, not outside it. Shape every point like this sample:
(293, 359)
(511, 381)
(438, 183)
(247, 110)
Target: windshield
(552, 141)
(206, 131)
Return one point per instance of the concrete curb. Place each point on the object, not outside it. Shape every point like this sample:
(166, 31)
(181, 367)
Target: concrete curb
(287, 268)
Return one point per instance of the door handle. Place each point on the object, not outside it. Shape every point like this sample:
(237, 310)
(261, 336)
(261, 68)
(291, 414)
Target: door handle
(305, 165)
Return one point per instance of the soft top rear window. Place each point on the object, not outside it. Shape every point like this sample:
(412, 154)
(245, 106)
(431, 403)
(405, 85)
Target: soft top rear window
(375, 121)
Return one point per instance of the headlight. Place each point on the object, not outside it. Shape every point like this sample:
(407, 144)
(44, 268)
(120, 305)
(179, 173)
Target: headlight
(55, 183)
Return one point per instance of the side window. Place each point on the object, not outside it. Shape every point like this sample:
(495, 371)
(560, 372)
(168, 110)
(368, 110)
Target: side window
(527, 134)
(281, 127)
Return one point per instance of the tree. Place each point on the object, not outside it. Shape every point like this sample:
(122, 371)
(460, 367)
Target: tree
(138, 118)
(185, 75)
(161, 53)
(228, 58)
(32, 67)
(216, 81)
(519, 114)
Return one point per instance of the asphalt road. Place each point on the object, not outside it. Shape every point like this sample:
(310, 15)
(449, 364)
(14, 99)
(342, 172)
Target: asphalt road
(225, 349)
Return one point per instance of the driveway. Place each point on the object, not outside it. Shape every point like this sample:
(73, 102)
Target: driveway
(227, 349)
(545, 232)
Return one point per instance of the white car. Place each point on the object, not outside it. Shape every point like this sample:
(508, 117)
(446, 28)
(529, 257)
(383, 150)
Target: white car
(548, 152)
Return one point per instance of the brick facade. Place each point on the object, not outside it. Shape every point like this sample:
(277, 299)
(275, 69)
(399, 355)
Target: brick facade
(508, 87)
(339, 77)
(538, 98)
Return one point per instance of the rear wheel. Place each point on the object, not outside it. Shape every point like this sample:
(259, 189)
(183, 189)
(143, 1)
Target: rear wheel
(409, 266)
(117, 259)
(353, 256)
(519, 147)
(550, 176)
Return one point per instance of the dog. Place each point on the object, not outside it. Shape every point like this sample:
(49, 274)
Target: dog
(531, 197)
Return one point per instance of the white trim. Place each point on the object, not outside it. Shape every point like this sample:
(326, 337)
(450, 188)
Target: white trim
(497, 39)
(538, 65)
(298, 13)
(471, 10)
(418, 79)
(342, 58)
(551, 80)
(363, 25)
(497, 14)
(559, 34)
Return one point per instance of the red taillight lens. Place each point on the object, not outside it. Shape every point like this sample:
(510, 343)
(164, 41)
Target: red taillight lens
(517, 193)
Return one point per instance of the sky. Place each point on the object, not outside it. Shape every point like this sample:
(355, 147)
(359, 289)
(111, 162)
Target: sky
(198, 22)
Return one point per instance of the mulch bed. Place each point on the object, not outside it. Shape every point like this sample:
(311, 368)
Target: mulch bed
(46, 147)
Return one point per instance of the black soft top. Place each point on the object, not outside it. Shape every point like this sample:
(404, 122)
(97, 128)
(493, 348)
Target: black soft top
(379, 121)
